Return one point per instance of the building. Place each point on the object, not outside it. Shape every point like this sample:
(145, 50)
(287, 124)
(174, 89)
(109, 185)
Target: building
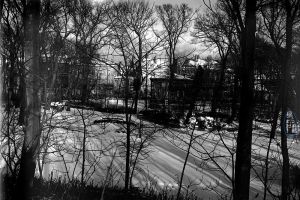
(178, 96)
(170, 97)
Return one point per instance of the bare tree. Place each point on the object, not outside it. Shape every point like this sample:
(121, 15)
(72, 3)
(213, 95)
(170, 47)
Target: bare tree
(279, 19)
(90, 32)
(291, 9)
(13, 55)
(191, 140)
(215, 28)
(137, 20)
(119, 43)
(131, 23)
(176, 21)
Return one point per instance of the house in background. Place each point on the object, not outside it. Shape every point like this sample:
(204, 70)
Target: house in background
(166, 96)
(178, 95)
(56, 80)
(174, 94)
(104, 82)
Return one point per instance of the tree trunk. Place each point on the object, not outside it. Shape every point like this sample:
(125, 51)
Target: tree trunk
(235, 97)
(127, 167)
(22, 97)
(298, 92)
(135, 162)
(185, 162)
(195, 88)
(83, 148)
(285, 180)
(284, 101)
(275, 117)
(146, 88)
(1, 8)
(32, 129)
(244, 138)
(84, 92)
(218, 89)
(266, 177)
(138, 76)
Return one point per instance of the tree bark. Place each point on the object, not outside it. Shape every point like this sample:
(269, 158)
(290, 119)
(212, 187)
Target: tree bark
(83, 147)
(138, 76)
(32, 123)
(127, 167)
(284, 101)
(185, 162)
(275, 117)
(244, 139)
(22, 97)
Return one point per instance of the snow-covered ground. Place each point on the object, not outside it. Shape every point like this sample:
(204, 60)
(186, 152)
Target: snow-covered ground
(209, 169)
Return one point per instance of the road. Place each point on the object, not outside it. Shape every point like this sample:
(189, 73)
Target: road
(209, 167)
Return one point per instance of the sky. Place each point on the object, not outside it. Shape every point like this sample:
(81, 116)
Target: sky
(186, 45)
(192, 3)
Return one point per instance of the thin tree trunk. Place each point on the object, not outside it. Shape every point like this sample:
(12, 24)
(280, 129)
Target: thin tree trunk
(285, 181)
(234, 98)
(218, 89)
(83, 148)
(267, 168)
(272, 136)
(184, 164)
(32, 132)
(1, 8)
(275, 118)
(135, 161)
(22, 96)
(244, 138)
(195, 88)
(138, 76)
(127, 167)
(285, 72)
(146, 88)
(297, 109)
(107, 175)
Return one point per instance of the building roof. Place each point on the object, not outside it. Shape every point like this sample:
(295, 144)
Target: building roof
(199, 62)
(177, 77)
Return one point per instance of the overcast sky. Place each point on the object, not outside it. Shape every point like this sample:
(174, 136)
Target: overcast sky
(192, 3)
(186, 44)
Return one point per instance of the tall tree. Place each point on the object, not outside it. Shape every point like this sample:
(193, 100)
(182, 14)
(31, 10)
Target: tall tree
(119, 43)
(133, 40)
(13, 51)
(175, 22)
(246, 29)
(137, 19)
(33, 109)
(279, 19)
(291, 8)
(214, 28)
(90, 32)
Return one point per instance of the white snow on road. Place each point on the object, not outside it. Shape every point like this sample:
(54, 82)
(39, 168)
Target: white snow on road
(162, 168)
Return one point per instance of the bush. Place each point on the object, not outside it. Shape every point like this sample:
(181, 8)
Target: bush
(60, 189)
(161, 117)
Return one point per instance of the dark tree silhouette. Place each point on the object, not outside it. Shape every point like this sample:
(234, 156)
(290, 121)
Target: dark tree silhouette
(32, 122)
(246, 29)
